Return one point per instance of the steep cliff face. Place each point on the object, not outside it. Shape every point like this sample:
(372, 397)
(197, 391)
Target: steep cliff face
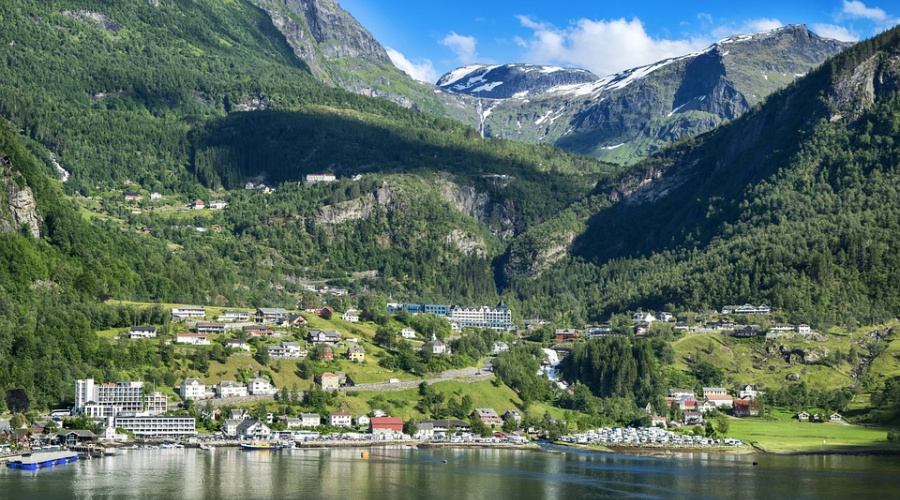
(19, 209)
(341, 52)
(627, 116)
(320, 31)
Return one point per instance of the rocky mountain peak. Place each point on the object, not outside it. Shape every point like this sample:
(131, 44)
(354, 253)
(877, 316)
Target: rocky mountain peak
(511, 80)
(320, 31)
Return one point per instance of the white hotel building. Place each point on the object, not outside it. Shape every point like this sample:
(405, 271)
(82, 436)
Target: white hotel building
(497, 318)
(106, 400)
(146, 426)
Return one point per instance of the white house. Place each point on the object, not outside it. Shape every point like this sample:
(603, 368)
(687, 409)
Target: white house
(362, 420)
(230, 389)
(408, 333)
(188, 312)
(261, 387)
(310, 420)
(191, 338)
(351, 316)
(339, 419)
(235, 316)
(253, 429)
(748, 392)
(193, 389)
(285, 350)
(803, 329)
(142, 332)
(238, 344)
(642, 317)
(500, 347)
(314, 178)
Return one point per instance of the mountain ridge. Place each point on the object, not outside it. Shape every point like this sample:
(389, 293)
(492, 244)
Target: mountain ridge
(628, 115)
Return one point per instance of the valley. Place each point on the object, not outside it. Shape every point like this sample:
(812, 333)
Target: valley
(249, 154)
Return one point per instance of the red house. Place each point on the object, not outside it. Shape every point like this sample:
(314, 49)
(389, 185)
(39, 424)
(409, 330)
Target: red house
(746, 408)
(385, 425)
(567, 334)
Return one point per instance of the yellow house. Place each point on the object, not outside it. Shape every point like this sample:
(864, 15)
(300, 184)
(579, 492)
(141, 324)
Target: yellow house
(356, 353)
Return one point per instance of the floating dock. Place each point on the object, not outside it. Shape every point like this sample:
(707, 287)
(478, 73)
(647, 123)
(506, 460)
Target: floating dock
(42, 460)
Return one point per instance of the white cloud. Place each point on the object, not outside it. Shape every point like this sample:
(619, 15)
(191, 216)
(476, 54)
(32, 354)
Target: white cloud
(747, 27)
(757, 25)
(463, 46)
(706, 17)
(858, 10)
(603, 47)
(836, 32)
(424, 71)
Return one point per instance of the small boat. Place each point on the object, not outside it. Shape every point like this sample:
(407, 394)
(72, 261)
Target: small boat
(207, 447)
(260, 446)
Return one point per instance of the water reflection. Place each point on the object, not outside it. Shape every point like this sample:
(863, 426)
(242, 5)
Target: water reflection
(403, 473)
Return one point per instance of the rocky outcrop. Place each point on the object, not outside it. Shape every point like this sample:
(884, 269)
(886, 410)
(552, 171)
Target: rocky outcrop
(20, 210)
(97, 18)
(320, 31)
(387, 198)
(467, 243)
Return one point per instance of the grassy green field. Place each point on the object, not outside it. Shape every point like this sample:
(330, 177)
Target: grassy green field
(787, 435)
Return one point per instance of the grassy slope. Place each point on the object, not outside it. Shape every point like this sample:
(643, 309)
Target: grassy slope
(749, 363)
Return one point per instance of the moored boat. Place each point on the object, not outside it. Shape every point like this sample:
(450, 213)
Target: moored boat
(260, 446)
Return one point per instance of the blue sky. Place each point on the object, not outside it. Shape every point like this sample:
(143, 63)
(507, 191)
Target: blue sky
(427, 39)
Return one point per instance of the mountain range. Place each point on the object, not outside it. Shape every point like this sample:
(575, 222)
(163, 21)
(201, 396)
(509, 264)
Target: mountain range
(791, 200)
(619, 118)
(629, 115)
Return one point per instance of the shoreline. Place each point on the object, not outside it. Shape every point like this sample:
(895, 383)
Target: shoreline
(749, 449)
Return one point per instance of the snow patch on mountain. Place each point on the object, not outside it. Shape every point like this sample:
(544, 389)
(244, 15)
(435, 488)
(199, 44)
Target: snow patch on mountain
(487, 87)
(458, 74)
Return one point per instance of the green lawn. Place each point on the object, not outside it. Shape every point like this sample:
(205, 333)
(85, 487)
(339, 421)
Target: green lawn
(402, 403)
(786, 435)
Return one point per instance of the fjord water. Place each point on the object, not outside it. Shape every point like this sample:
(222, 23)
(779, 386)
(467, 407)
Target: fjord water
(403, 473)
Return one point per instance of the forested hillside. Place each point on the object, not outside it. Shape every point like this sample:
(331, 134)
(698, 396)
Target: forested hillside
(191, 100)
(794, 205)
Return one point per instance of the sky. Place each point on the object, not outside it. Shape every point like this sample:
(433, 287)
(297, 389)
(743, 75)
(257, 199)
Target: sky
(427, 39)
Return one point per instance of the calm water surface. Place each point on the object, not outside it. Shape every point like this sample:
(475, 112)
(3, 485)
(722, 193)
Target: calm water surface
(402, 473)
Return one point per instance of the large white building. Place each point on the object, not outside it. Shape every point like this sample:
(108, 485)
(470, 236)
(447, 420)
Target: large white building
(104, 400)
(146, 426)
(188, 312)
(497, 318)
